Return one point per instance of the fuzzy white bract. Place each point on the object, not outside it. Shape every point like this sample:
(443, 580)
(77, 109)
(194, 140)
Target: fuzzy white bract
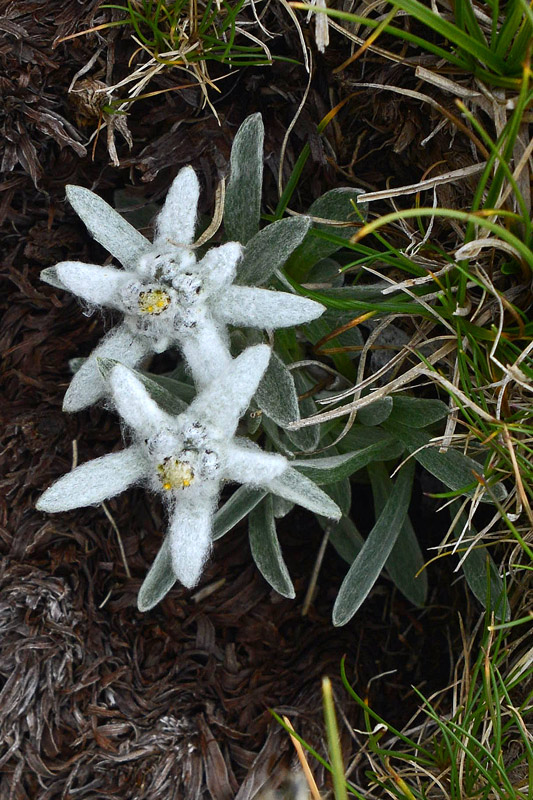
(184, 458)
(167, 296)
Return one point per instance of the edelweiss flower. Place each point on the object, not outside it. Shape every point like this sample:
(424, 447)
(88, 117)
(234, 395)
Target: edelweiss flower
(185, 458)
(167, 297)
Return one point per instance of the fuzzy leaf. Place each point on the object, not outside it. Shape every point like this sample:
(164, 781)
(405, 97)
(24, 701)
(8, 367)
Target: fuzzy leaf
(276, 394)
(308, 438)
(294, 486)
(366, 568)
(376, 413)
(482, 576)
(334, 468)
(335, 205)
(406, 557)
(94, 481)
(159, 580)
(481, 572)
(241, 502)
(455, 470)
(269, 249)
(265, 548)
(50, 276)
(417, 412)
(242, 206)
(330, 320)
(281, 507)
(341, 493)
(360, 436)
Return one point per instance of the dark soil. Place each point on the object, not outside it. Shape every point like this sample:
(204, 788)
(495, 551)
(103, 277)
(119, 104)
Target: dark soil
(99, 701)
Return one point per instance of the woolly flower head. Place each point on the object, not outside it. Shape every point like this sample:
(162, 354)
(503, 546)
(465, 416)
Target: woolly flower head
(167, 296)
(185, 458)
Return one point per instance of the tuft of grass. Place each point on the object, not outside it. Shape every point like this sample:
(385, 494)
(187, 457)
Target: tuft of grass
(184, 36)
(488, 41)
(472, 741)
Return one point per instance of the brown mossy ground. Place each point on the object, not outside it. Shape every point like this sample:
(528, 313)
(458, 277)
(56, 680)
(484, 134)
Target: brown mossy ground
(97, 700)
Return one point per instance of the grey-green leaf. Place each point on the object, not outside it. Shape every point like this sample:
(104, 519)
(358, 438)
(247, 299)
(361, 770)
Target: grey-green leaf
(454, 469)
(366, 568)
(406, 557)
(376, 413)
(481, 572)
(241, 502)
(107, 227)
(333, 468)
(184, 392)
(276, 394)
(341, 493)
(307, 438)
(330, 320)
(269, 249)
(242, 206)
(417, 412)
(280, 506)
(482, 576)
(265, 548)
(159, 581)
(294, 486)
(335, 205)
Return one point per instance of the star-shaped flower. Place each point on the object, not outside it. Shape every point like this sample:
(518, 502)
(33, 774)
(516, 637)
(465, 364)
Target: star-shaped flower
(184, 458)
(166, 295)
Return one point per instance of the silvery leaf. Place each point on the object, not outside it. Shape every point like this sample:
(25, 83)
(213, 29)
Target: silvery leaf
(276, 394)
(330, 469)
(335, 205)
(159, 580)
(294, 486)
(269, 249)
(265, 548)
(367, 566)
(241, 502)
(455, 470)
(417, 412)
(406, 557)
(242, 206)
(375, 413)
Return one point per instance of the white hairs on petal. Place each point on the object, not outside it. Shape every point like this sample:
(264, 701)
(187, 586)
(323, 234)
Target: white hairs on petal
(228, 396)
(219, 265)
(95, 481)
(100, 286)
(190, 538)
(134, 404)
(262, 308)
(247, 463)
(87, 385)
(177, 219)
(206, 352)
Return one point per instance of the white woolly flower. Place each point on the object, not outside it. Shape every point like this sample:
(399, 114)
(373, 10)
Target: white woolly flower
(184, 458)
(166, 295)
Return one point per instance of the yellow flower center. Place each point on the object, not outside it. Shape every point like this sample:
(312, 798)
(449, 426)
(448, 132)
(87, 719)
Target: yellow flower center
(175, 474)
(154, 301)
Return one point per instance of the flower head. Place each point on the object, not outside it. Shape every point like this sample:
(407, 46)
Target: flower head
(184, 458)
(168, 296)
